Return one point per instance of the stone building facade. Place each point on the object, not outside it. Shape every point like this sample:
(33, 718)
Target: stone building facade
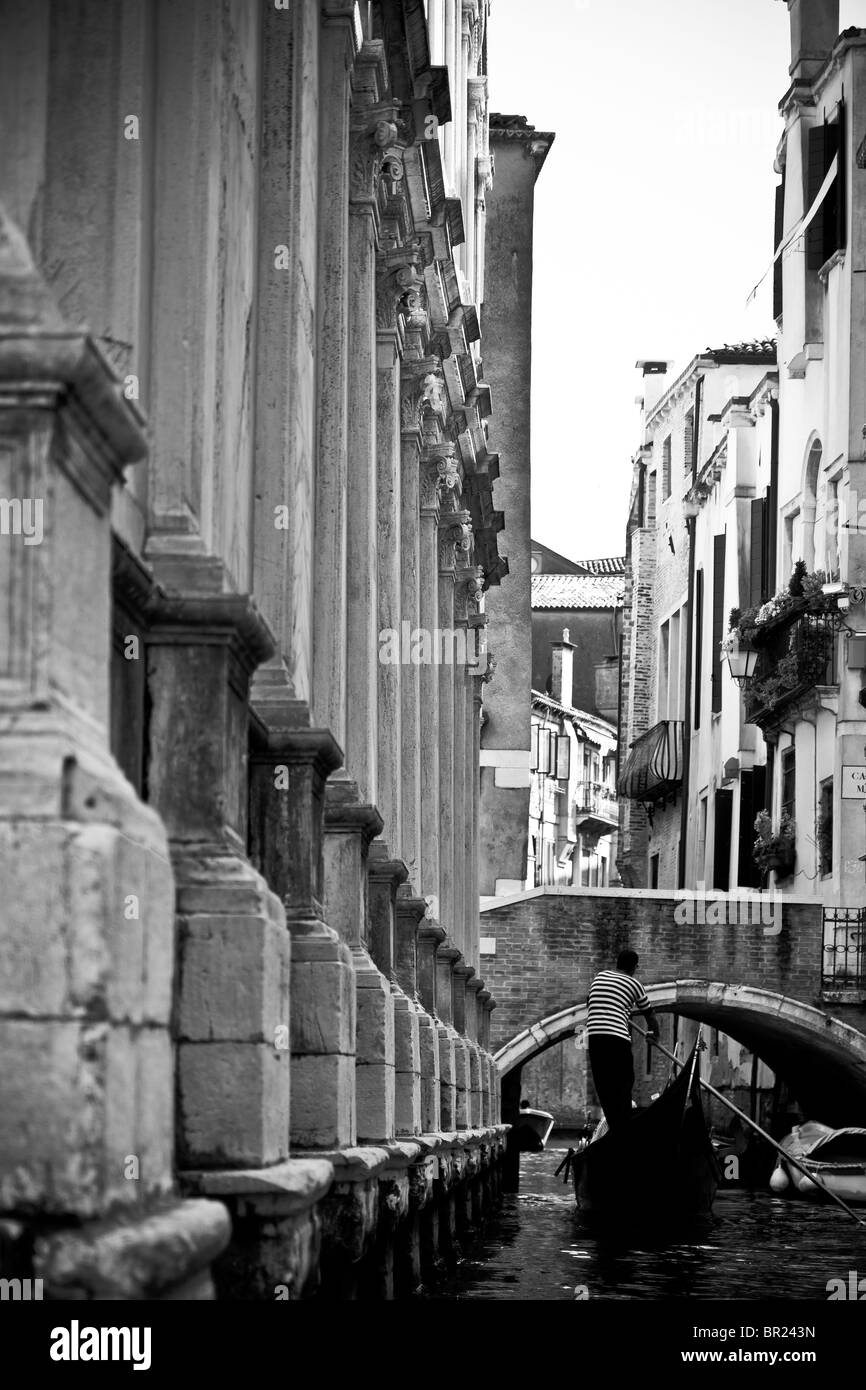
(238, 844)
(520, 152)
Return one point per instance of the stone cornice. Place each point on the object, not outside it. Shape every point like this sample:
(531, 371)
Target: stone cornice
(807, 91)
(213, 619)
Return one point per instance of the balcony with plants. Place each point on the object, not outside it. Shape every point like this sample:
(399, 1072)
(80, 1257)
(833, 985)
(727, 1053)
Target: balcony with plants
(795, 637)
(596, 808)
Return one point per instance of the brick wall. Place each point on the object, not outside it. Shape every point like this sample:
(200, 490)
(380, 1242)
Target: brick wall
(549, 946)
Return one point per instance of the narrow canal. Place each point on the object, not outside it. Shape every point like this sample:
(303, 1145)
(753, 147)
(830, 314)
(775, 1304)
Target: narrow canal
(759, 1247)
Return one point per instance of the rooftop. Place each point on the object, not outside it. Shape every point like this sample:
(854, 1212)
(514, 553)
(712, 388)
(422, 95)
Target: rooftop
(578, 590)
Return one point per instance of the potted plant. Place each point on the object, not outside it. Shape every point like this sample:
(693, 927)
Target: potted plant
(775, 849)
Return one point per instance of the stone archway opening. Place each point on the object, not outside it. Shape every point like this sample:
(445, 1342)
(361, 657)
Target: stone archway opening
(821, 1060)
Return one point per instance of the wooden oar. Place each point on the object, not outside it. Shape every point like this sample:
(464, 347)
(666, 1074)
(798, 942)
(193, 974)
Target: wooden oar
(757, 1128)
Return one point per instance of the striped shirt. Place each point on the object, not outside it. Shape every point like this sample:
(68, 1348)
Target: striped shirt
(613, 998)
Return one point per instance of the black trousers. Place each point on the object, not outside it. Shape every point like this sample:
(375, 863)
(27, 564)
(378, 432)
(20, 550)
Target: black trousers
(613, 1074)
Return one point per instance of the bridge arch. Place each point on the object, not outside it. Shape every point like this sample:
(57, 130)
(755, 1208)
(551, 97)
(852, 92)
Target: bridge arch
(822, 1059)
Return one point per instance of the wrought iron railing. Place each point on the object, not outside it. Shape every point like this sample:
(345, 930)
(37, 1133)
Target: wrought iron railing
(794, 656)
(654, 767)
(844, 956)
(597, 798)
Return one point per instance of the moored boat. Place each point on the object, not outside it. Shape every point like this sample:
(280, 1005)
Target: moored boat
(657, 1169)
(532, 1129)
(835, 1159)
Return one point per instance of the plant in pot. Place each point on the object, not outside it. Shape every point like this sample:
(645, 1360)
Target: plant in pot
(775, 849)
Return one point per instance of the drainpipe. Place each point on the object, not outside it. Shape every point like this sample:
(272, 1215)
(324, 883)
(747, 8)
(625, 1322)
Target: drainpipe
(773, 499)
(691, 523)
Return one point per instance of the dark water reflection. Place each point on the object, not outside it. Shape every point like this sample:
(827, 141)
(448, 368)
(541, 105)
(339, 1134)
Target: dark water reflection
(758, 1247)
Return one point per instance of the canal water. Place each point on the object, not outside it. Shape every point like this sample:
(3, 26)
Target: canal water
(759, 1247)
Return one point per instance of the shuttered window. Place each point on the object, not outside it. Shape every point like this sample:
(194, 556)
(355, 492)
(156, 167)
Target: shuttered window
(722, 839)
(759, 551)
(718, 621)
(778, 233)
(753, 798)
(699, 644)
(826, 233)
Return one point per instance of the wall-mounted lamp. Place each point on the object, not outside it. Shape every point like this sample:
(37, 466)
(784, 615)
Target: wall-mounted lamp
(742, 660)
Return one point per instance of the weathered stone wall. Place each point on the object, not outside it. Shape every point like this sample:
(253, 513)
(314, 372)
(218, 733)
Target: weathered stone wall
(255, 969)
(519, 152)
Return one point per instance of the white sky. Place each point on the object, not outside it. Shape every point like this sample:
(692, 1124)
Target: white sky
(653, 217)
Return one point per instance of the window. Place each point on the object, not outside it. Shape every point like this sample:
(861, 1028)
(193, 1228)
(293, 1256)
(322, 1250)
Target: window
(810, 503)
(701, 848)
(827, 231)
(699, 645)
(789, 782)
(831, 529)
(778, 233)
(664, 665)
(602, 880)
(666, 469)
(654, 871)
(689, 439)
(651, 500)
(789, 541)
(760, 581)
(825, 827)
(674, 692)
(719, 621)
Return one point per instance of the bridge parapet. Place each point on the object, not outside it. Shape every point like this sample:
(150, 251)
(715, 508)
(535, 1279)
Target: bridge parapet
(752, 966)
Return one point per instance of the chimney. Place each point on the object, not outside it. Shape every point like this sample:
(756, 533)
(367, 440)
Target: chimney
(562, 675)
(607, 688)
(655, 381)
(814, 30)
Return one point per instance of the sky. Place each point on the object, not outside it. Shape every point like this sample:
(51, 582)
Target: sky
(653, 217)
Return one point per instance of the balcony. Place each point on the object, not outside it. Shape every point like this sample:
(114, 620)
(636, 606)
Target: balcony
(654, 767)
(596, 809)
(844, 963)
(797, 653)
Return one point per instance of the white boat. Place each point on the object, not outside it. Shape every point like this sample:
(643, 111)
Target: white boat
(836, 1159)
(536, 1126)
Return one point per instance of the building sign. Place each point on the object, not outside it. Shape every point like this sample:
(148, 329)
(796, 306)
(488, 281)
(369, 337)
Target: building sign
(854, 781)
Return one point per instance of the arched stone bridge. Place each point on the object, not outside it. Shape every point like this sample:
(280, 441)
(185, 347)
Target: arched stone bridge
(759, 969)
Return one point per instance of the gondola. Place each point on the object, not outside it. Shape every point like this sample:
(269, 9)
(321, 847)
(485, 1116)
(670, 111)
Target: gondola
(657, 1170)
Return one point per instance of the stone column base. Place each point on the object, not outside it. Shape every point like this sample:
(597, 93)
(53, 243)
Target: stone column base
(275, 1248)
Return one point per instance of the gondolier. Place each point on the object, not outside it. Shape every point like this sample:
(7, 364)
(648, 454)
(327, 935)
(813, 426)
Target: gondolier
(614, 996)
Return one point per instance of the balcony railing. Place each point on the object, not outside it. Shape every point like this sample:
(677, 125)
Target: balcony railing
(796, 654)
(844, 964)
(596, 798)
(654, 767)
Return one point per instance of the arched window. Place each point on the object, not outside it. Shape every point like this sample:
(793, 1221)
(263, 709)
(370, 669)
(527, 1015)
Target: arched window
(810, 500)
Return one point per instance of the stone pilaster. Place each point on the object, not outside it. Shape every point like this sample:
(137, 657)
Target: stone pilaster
(288, 772)
(430, 934)
(451, 532)
(87, 937)
(432, 473)
(336, 52)
(417, 379)
(233, 1059)
(409, 1018)
(350, 827)
(446, 958)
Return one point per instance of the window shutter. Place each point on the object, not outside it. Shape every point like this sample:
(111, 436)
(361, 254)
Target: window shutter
(827, 232)
(839, 227)
(778, 233)
(752, 800)
(816, 168)
(563, 757)
(699, 644)
(718, 620)
(722, 839)
(757, 565)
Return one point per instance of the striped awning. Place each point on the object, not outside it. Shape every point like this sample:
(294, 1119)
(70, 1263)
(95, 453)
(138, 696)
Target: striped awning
(654, 766)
